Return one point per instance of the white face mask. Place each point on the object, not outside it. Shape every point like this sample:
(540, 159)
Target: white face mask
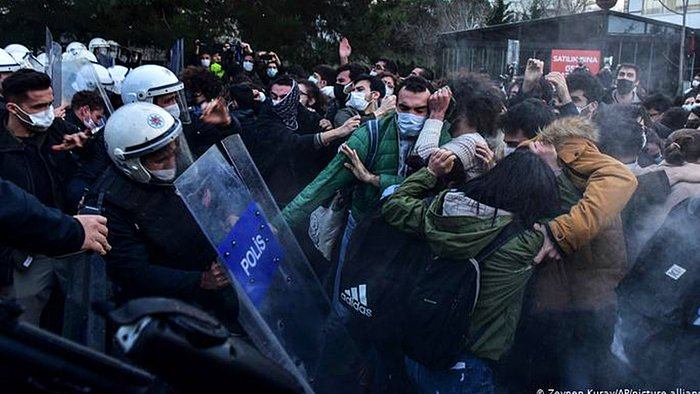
(357, 100)
(695, 83)
(271, 72)
(206, 62)
(328, 91)
(508, 150)
(166, 175)
(40, 120)
(276, 102)
(388, 91)
(174, 110)
(248, 66)
(689, 107)
(373, 73)
(313, 80)
(410, 124)
(90, 124)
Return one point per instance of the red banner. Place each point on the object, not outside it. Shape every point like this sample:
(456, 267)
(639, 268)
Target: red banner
(567, 60)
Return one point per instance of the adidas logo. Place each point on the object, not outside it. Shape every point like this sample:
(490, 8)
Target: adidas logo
(356, 297)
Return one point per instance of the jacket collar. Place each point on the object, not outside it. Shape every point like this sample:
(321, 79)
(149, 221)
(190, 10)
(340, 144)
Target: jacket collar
(7, 140)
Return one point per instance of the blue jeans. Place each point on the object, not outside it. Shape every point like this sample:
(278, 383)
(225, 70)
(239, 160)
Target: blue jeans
(471, 375)
(338, 307)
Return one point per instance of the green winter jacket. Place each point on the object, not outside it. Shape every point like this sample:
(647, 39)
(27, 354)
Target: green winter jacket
(504, 275)
(335, 176)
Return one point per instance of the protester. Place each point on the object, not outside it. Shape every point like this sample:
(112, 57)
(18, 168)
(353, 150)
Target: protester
(366, 100)
(626, 90)
(288, 140)
(475, 115)
(656, 105)
(353, 166)
(458, 224)
(34, 155)
(523, 122)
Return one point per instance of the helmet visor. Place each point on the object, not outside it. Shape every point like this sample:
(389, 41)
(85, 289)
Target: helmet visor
(167, 163)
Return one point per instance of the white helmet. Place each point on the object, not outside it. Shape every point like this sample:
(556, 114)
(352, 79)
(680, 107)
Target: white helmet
(113, 44)
(76, 46)
(146, 82)
(17, 50)
(42, 58)
(118, 74)
(90, 75)
(97, 43)
(78, 55)
(136, 130)
(8, 64)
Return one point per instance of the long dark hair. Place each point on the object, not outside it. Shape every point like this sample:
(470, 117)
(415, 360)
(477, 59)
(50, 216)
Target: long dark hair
(521, 183)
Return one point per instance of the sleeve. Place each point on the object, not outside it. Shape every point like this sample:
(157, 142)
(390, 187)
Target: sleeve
(608, 187)
(428, 139)
(568, 110)
(341, 117)
(406, 208)
(334, 177)
(29, 225)
(654, 188)
(129, 266)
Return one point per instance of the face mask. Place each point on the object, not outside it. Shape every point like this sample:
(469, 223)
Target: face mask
(508, 150)
(689, 107)
(90, 124)
(357, 100)
(271, 72)
(206, 62)
(373, 73)
(388, 91)
(328, 91)
(624, 86)
(695, 83)
(164, 175)
(585, 110)
(248, 66)
(174, 110)
(339, 92)
(39, 121)
(313, 80)
(276, 102)
(410, 125)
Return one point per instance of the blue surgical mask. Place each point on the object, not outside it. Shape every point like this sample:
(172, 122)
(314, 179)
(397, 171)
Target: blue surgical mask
(271, 72)
(410, 124)
(248, 66)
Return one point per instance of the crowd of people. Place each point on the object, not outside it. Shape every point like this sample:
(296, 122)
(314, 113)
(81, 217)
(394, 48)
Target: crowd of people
(596, 287)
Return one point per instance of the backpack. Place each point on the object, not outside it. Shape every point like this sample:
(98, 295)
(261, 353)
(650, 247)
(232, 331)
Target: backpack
(396, 290)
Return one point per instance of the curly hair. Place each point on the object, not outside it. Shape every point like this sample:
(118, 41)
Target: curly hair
(201, 80)
(477, 100)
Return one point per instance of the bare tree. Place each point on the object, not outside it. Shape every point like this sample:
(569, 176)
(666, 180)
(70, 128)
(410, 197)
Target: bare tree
(462, 14)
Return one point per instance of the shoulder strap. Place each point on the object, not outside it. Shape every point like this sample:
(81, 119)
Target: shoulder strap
(509, 232)
(373, 128)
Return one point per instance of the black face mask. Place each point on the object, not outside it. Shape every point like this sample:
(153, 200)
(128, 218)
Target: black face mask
(624, 86)
(339, 92)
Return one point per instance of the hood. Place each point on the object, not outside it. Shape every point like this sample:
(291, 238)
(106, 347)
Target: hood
(569, 127)
(459, 227)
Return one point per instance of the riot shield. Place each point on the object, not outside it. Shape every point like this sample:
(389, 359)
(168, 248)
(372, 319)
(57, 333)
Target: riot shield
(282, 304)
(78, 75)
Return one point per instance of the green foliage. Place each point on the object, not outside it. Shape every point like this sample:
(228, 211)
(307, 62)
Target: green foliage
(305, 32)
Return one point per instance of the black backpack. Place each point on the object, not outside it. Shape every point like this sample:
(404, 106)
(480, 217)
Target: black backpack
(397, 291)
